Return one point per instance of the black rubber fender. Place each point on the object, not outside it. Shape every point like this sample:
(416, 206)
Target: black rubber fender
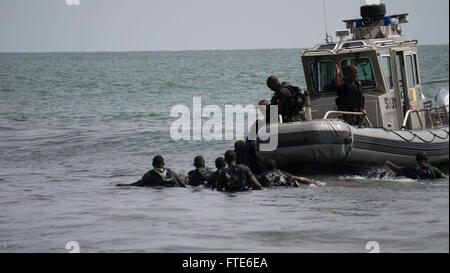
(373, 10)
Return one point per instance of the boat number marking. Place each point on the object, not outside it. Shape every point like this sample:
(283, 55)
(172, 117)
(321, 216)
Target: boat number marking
(389, 103)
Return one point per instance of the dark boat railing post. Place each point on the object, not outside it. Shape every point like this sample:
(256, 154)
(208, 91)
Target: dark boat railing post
(430, 118)
(439, 116)
(446, 114)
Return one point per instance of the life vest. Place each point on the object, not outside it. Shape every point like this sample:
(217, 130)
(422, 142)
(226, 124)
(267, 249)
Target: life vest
(166, 176)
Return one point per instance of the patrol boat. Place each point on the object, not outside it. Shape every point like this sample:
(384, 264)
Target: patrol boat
(400, 121)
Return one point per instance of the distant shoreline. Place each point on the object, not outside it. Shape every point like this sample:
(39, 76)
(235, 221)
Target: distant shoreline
(169, 50)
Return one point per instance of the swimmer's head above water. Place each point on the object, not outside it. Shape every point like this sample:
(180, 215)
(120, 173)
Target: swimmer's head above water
(158, 162)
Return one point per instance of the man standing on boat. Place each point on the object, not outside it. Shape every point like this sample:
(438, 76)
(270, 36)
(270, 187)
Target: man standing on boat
(289, 99)
(349, 95)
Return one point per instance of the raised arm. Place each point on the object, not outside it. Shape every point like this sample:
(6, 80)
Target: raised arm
(337, 80)
(393, 167)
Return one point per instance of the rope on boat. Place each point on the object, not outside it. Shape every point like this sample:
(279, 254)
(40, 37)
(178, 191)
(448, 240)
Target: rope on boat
(441, 137)
(414, 136)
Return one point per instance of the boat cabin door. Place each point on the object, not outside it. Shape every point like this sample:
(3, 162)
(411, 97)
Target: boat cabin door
(404, 73)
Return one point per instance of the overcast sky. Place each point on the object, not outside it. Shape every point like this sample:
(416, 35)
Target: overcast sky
(129, 25)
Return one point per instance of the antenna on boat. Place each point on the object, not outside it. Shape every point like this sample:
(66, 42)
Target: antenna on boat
(326, 24)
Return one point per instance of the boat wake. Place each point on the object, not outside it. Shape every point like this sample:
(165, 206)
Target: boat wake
(380, 174)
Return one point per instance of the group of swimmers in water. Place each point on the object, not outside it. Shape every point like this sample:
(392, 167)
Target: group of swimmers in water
(233, 174)
(239, 171)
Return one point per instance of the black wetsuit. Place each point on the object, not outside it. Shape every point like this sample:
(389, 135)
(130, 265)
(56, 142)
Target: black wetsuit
(291, 101)
(236, 178)
(349, 96)
(350, 99)
(247, 156)
(252, 160)
(241, 156)
(423, 171)
(214, 178)
(282, 97)
(163, 177)
(199, 176)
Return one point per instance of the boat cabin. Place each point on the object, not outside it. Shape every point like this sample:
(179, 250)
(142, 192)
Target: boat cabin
(388, 70)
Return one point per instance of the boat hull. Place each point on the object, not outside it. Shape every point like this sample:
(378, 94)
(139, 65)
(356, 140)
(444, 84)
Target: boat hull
(325, 142)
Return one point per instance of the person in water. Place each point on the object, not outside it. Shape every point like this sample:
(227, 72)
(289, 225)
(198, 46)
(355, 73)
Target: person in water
(237, 177)
(274, 177)
(349, 95)
(422, 171)
(246, 155)
(200, 175)
(287, 99)
(264, 106)
(158, 176)
(240, 148)
(252, 160)
(214, 178)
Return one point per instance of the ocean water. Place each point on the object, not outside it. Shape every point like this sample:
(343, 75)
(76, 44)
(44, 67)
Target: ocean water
(72, 125)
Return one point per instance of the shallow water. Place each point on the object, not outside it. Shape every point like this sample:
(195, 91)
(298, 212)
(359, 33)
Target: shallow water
(402, 216)
(72, 125)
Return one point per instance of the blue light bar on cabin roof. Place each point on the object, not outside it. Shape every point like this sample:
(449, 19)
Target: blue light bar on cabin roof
(359, 23)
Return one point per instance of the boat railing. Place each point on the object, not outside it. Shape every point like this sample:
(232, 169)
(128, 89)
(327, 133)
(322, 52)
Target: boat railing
(336, 51)
(396, 43)
(318, 51)
(358, 114)
(429, 112)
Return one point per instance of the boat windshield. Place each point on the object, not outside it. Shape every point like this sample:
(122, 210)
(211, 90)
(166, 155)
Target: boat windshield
(365, 71)
(323, 74)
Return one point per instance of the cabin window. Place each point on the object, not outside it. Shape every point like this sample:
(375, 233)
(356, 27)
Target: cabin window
(410, 71)
(323, 75)
(386, 64)
(354, 44)
(416, 66)
(365, 71)
(327, 47)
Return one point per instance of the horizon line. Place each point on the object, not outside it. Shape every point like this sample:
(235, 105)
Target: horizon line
(166, 50)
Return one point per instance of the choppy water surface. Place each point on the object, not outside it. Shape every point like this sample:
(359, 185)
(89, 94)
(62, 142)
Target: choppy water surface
(72, 125)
